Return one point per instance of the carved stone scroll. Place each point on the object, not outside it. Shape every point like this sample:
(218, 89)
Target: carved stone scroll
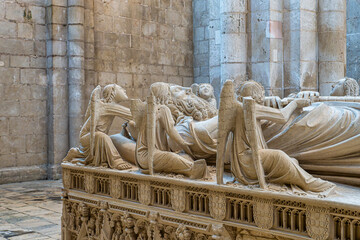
(263, 213)
(217, 205)
(178, 199)
(144, 193)
(318, 222)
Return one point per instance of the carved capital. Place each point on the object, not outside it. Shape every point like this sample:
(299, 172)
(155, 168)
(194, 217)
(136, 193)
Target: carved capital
(66, 178)
(178, 198)
(217, 203)
(115, 187)
(144, 193)
(318, 222)
(263, 213)
(89, 183)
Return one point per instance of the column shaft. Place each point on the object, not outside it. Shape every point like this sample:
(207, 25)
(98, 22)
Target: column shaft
(76, 72)
(332, 43)
(233, 40)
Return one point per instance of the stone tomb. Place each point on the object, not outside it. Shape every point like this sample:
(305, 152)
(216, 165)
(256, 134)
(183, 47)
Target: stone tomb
(175, 193)
(110, 204)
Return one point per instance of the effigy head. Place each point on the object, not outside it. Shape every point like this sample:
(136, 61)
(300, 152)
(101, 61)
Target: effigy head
(182, 101)
(190, 104)
(251, 89)
(203, 90)
(345, 87)
(114, 93)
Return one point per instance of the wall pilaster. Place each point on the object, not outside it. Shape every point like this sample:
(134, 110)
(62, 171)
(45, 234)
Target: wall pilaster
(76, 71)
(58, 138)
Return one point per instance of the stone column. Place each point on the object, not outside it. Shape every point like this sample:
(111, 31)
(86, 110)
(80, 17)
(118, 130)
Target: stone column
(58, 139)
(76, 72)
(214, 46)
(266, 45)
(233, 40)
(300, 46)
(275, 35)
(332, 43)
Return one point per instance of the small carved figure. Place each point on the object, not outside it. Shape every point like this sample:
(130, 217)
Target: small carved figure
(345, 87)
(72, 219)
(96, 147)
(183, 233)
(118, 231)
(206, 92)
(91, 226)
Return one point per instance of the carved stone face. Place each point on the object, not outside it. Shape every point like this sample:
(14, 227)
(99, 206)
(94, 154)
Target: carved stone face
(253, 90)
(206, 91)
(120, 94)
(338, 88)
(181, 93)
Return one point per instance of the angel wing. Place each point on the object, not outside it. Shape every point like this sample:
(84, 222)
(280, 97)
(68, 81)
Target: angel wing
(250, 126)
(138, 110)
(94, 100)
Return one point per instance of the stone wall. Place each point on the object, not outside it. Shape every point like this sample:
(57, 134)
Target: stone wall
(137, 43)
(23, 95)
(52, 55)
(201, 41)
(141, 42)
(353, 39)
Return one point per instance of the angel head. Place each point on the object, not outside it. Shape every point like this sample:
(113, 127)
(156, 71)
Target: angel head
(204, 90)
(251, 89)
(114, 93)
(345, 87)
(182, 101)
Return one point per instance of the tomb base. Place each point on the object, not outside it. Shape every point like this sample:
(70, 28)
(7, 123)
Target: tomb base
(100, 203)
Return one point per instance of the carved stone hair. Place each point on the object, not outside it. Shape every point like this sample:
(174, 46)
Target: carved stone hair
(255, 88)
(109, 92)
(351, 87)
(161, 91)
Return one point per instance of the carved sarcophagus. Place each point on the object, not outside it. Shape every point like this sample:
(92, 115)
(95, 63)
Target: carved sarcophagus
(111, 204)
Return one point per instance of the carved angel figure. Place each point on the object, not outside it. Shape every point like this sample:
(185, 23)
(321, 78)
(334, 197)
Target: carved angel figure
(96, 147)
(164, 160)
(206, 92)
(252, 161)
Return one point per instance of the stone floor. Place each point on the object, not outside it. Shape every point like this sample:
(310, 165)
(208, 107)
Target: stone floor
(30, 210)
